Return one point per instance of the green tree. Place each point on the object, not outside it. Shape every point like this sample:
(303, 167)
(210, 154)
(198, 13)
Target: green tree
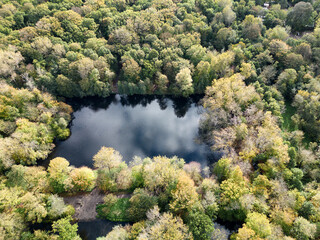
(232, 191)
(301, 16)
(140, 203)
(200, 225)
(303, 229)
(251, 28)
(286, 83)
(222, 169)
(65, 229)
(259, 223)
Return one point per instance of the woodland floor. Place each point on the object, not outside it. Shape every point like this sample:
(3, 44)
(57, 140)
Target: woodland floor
(85, 204)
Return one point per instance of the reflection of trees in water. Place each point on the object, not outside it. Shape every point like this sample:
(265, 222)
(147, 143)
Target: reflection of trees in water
(163, 102)
(134, 100)
(180, 105)
(94, 103)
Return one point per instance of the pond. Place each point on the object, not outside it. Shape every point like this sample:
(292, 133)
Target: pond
(135, 126)
(143, 126)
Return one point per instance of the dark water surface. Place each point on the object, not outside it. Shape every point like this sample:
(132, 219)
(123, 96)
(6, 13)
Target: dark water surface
(94, 229)
(134, 126)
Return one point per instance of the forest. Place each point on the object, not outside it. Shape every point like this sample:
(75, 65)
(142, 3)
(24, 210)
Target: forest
(256, 64)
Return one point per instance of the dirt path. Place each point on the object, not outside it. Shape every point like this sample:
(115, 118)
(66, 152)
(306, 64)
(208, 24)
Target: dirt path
(85, 204)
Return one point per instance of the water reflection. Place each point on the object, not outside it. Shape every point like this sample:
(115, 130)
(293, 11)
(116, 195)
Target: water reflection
(135, 126)
(94, 229)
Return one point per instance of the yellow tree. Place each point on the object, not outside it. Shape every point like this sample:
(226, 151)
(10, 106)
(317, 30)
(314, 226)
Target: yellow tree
(160, 173)
(107, 158)
(184, 195)
(82, 179)
(164, 227)
(58, 173)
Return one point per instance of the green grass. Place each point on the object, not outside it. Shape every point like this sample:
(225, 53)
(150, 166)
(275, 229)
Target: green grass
(116, 212)
(289, 125)
(287, 121)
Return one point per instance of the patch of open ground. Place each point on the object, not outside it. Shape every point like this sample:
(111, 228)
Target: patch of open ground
(85, 204)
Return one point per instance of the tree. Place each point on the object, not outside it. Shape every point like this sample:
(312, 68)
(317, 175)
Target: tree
(121, 36)
(278, 48)
(294, 60)
(35, 141)
(29, 178)
(210, 204)
(113, 173)
(284, 218)
(228, 15)
(202, 77)
(12, 225)
(164, 227)
(82, 179)
(277, 32)
(220, 232)
(43, 45)
(286, 82)
(195, 53)
(184, 82)
(117, 233)
(65, 229)
(230, 94)
(244, 233)
(107, 158)
(301, 16)
(221, 64)
(84, 67)
(57, 207)
(58, 174)
(259, 223)
(222, 169)
(305, 50)
(131, 70)
(184, 196)
(161, 82)
(251, 28)
(66, 87)
(140, 203)
(9, 62)
(124, 178)
(261, 186)
(303, 229)
(232, 190)
(200, 225)
(161, 173)
(193, 169)
(307, 103)
(33, 208)
(225, 37)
